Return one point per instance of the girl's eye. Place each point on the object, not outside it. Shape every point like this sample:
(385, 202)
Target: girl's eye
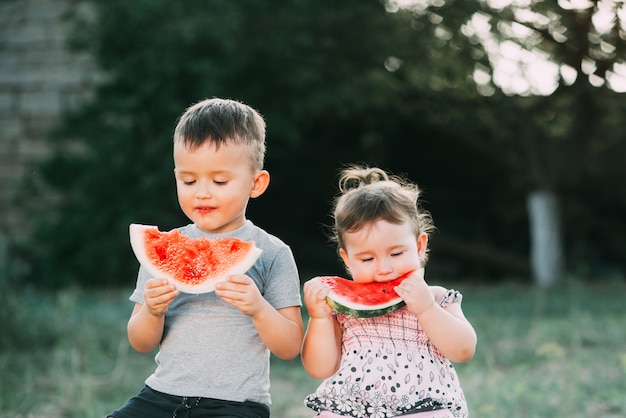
(365, 260)
(396, 254)
(220, 182)
(188, 182)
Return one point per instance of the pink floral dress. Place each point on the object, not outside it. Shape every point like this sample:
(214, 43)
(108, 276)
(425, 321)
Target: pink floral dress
(388, 368)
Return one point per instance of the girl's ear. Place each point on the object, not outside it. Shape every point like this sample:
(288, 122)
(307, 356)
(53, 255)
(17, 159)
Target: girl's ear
(261, 181)
(422, 245)
(344, 256)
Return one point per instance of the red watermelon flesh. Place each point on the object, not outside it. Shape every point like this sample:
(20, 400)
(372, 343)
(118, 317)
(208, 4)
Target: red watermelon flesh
(363, 300)
(192, 265)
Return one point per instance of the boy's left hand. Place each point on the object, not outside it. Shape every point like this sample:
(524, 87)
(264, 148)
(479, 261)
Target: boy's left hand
(416, 293)
(241, 292)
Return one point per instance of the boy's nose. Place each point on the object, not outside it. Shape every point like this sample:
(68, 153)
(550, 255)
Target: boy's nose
(203, 190)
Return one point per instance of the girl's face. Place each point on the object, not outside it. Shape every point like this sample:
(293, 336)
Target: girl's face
(382, 251)
(214, 186)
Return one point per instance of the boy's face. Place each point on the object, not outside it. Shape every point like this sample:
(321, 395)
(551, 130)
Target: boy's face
(382, 251)
(214, 186)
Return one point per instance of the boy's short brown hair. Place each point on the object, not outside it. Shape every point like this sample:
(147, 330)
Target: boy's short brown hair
(222, 121)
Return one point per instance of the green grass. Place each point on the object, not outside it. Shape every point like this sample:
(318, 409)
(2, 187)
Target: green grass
(560, 353)
(540, 354)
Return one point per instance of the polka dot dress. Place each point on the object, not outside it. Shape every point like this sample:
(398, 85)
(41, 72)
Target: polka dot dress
(388, 368)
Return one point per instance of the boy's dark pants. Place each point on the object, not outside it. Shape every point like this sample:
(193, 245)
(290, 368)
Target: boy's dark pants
(153, 404)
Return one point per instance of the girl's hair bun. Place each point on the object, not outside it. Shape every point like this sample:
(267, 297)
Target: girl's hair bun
(354, 177)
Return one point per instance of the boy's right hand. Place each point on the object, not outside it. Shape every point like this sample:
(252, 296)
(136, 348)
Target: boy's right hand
(158, 294)
(315, 293)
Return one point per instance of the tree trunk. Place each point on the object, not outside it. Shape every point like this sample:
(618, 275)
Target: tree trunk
(546, 247)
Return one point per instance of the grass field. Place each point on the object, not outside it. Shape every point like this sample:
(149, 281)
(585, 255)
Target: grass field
(560, 353)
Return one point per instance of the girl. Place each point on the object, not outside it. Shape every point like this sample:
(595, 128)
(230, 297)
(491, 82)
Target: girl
(398, 363)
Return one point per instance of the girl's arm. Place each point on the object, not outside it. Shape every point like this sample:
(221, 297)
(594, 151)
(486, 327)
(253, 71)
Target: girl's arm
(321, 350)
(448, 329)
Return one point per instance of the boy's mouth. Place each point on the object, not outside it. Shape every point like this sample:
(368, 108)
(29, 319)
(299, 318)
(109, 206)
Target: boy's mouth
(205, 209)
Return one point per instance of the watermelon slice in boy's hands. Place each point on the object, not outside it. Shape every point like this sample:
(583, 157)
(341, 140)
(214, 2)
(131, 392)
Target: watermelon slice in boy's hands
(363, 300)
(192, 265)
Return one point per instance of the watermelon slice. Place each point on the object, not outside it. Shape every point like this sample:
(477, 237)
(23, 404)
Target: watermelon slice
(363, 300)
(192, 265)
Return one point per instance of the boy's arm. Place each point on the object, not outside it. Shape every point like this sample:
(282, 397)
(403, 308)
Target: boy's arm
(145, 330)
(145, 326)
(281, 330)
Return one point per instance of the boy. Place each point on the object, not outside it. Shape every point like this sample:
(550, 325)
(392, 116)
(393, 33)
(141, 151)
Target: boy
(214, 348)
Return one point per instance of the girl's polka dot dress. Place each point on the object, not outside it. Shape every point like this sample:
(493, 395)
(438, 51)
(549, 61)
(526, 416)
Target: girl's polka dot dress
(388, 368)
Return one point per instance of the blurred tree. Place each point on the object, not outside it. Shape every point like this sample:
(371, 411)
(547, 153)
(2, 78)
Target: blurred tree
(316, 70)
(367, 81)
(555, 71)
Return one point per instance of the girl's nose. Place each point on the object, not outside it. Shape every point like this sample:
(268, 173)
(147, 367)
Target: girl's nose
(385, 267)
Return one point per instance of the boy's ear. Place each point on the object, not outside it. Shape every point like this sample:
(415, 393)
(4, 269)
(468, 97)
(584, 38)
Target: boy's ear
(261, 181)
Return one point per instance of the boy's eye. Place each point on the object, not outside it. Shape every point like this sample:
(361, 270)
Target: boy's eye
(396, 253)
(188, 182)
(365, 260)
(220, 182)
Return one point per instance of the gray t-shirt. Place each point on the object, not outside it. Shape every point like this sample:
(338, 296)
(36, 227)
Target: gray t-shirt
(210, 349)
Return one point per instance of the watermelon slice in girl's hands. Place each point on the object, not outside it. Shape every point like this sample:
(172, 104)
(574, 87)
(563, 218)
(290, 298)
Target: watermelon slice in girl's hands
(192, 265)
(363, 300)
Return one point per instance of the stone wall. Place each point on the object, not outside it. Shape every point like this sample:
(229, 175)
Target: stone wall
(39, 78)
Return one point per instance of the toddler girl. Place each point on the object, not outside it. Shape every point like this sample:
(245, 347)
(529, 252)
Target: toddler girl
(400, 363)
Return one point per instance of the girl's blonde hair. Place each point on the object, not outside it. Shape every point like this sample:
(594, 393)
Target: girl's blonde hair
(369, 194)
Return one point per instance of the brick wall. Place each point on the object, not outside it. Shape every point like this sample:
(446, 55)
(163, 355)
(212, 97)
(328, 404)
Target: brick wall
(39, 78)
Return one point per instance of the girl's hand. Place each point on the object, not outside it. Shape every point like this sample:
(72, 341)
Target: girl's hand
(315, 294)
(241, 292)
(158, 294)
(416, 293)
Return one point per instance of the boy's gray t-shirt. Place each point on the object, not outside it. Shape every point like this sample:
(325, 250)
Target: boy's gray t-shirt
(210, 349)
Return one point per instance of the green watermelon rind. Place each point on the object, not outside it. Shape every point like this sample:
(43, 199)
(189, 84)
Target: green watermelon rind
(363, 311)
(352, 303)
(137, 233)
